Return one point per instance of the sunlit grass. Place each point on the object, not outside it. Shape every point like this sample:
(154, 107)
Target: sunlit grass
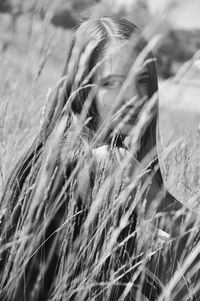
(89, 261)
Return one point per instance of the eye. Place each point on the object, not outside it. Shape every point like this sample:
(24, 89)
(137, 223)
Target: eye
(142, 78)
(112, 82)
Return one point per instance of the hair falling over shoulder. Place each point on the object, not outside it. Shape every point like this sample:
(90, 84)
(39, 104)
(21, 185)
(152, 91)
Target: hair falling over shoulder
(74, 201)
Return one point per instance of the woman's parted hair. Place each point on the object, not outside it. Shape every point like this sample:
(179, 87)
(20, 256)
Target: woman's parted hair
(88, 50)
(89, 45)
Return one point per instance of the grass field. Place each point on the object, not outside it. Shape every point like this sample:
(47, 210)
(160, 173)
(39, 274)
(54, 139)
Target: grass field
(30, 66)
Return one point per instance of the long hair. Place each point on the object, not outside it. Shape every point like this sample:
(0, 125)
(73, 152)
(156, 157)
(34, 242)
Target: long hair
(88, 47)
(40, 187)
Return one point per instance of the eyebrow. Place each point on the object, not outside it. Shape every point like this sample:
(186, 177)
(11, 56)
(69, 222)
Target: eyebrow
(111, 76)
(143, 73)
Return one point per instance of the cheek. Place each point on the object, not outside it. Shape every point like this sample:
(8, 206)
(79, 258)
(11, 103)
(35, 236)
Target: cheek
(142, 91)
(104, 101)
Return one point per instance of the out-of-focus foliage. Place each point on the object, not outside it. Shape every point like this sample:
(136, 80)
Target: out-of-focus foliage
(67, 14)
(176, 47)
(5, 6)
(64, 18)
(182, 14)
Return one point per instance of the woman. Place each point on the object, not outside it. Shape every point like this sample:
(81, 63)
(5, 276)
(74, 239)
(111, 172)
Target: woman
(92, 173)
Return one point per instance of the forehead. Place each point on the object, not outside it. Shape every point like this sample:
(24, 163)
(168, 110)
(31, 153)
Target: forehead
(119, 57)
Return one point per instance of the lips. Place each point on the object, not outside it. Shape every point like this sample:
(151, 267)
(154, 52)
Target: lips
(130, 112)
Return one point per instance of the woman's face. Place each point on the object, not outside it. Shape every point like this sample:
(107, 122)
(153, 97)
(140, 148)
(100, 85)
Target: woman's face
(111, 76)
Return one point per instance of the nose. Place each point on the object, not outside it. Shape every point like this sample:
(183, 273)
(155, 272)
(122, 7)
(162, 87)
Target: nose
(129, 95)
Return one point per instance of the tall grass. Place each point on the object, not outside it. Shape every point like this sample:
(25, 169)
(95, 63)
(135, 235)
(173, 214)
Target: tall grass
(96, 248)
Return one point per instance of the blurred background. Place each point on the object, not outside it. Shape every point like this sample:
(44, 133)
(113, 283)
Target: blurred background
(34, 40)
